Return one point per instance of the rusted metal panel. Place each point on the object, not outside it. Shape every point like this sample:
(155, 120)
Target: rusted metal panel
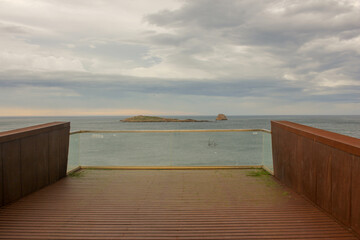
(11, 171)
(167, 204)
(34, 163)
(1, 177)
(64, 149)
(323, 156)
(54, 156)
(355, 194)
(341, 185)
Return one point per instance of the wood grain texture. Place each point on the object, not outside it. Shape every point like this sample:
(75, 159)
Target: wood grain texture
(30, 158)
(323, 157)
(355, 194)
(34, 163)
(20, 133)
(275, 151)
(341, 185)
(307, 168)
(342, 142)
(326, 166)
(11, 171)
(289, 155)
(167, 204)
(1, 178)
(64, 149)
(54, 156)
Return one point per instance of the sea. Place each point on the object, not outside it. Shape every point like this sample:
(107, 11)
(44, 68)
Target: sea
(343, 124)
(178, 148)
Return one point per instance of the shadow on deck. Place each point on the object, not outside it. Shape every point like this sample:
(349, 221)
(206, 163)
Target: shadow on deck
(167, 204)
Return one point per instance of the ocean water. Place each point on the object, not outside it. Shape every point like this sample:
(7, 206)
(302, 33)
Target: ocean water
(347, 125)
(178, 148)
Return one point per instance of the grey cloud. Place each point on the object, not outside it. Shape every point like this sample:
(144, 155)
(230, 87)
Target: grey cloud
(280, 28)
(251, 22)
(231, 41)
(6, 28)
(206, 13)
(105, 86)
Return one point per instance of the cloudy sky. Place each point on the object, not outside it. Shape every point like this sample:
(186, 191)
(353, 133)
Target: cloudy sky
(178, 57)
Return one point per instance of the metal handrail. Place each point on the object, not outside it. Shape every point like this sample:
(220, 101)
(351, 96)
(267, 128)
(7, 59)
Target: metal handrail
(170, 131)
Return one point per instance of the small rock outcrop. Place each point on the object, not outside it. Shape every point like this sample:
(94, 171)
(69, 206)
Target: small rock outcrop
(221, 117)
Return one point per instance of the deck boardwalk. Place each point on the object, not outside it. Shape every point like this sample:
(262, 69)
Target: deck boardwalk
(167, 204)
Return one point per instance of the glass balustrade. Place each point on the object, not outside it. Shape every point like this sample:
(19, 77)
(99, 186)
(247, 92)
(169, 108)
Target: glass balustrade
(171, 148)
(74, 152)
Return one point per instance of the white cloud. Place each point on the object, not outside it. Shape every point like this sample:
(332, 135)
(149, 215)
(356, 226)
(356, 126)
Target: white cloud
(306, 52)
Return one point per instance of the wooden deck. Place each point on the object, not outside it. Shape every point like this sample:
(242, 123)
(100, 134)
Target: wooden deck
(167, 204)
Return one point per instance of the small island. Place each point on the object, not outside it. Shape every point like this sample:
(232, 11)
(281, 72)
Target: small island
(221, 117)
(142, 118)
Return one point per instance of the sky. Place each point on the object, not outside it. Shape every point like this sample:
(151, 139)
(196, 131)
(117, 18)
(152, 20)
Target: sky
(179, 57)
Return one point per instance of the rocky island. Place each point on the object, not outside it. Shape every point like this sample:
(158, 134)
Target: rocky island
(142, 118)
(221, 117)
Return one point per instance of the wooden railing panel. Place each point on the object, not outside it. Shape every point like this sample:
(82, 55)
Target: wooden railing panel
(323, 176)
(31, 158)
(1, 177)
(11, 171)
(34, 163)
(341, 185)
(64, 150)
(307, 168)
(355, 194)
(277, 165)
(288, 162)
(321, 165)
(54, 156)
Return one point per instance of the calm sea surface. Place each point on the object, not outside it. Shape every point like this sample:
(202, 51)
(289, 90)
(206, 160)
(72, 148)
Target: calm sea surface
(181, 148)
(347, 125)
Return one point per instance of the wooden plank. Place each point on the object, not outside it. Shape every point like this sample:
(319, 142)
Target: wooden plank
(286, 166)
(307, 169)
(341, 185)
(42, 155)
(64, 150)
(355, 194)
(323, 156)
(289, 153)
(34, 163)
(282, 156)
(28, 168)
(11, 171)
(275, 150)
(1, 177)
(54, 156)
(166, 204)
(300, 165)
